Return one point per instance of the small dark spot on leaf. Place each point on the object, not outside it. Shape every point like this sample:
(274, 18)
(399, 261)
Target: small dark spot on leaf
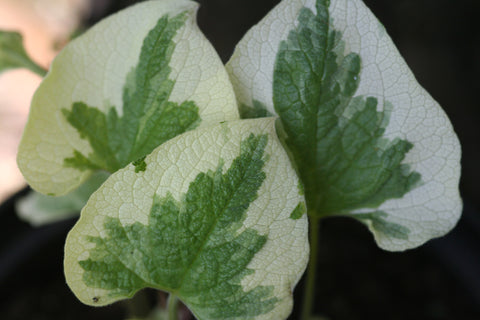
(140, 164)
(95, 299)
(298, 212)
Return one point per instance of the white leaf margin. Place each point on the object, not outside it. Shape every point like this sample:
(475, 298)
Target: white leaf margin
(431, 209)
(171, 167)
(93, 69)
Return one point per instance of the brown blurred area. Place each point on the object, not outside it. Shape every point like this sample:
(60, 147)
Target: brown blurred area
(45, 26)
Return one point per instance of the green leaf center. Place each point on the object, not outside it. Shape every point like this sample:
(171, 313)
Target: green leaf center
(193, 247)
(148, 118)
(335, 136)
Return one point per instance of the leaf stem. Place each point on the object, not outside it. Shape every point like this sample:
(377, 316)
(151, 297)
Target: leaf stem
(172, 307)
(309, 290)
(35, 68)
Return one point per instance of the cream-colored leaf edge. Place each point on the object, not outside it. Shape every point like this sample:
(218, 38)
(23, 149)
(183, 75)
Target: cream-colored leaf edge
(428, 211)
(170, 169)
(93, 69)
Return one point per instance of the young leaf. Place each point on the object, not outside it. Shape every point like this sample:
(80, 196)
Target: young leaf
(130, 83)
(213, 219)
(367, 140)
(13, 55)
(39, 209)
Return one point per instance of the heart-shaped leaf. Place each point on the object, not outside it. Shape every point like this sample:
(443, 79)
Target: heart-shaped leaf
(367, 140)
(130, 83)
(216, 217)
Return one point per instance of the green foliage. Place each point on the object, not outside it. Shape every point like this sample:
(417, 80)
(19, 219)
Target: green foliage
(377, 219)
(13, 55)
(299, 211)
(212, 246)
(140, 164)
(257, 111)
(148, 118)
(335, 137)
(191, 248)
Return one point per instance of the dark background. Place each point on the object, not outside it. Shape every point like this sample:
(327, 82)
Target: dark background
(440, 40)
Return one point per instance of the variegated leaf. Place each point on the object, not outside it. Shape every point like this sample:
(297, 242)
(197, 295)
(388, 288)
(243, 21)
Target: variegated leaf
(130, 83)
(216, 217)
(367, 139)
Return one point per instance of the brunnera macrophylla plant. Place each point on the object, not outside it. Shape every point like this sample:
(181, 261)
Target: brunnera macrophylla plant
(210, 206)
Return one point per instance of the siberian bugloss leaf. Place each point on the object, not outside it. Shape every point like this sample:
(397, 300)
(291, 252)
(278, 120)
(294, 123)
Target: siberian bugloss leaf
(215, 217)
(367, 139)
(130, 83)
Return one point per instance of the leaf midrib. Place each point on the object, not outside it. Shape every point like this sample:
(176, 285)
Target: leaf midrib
(322, 81)
(212, 228)
(146, 108)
